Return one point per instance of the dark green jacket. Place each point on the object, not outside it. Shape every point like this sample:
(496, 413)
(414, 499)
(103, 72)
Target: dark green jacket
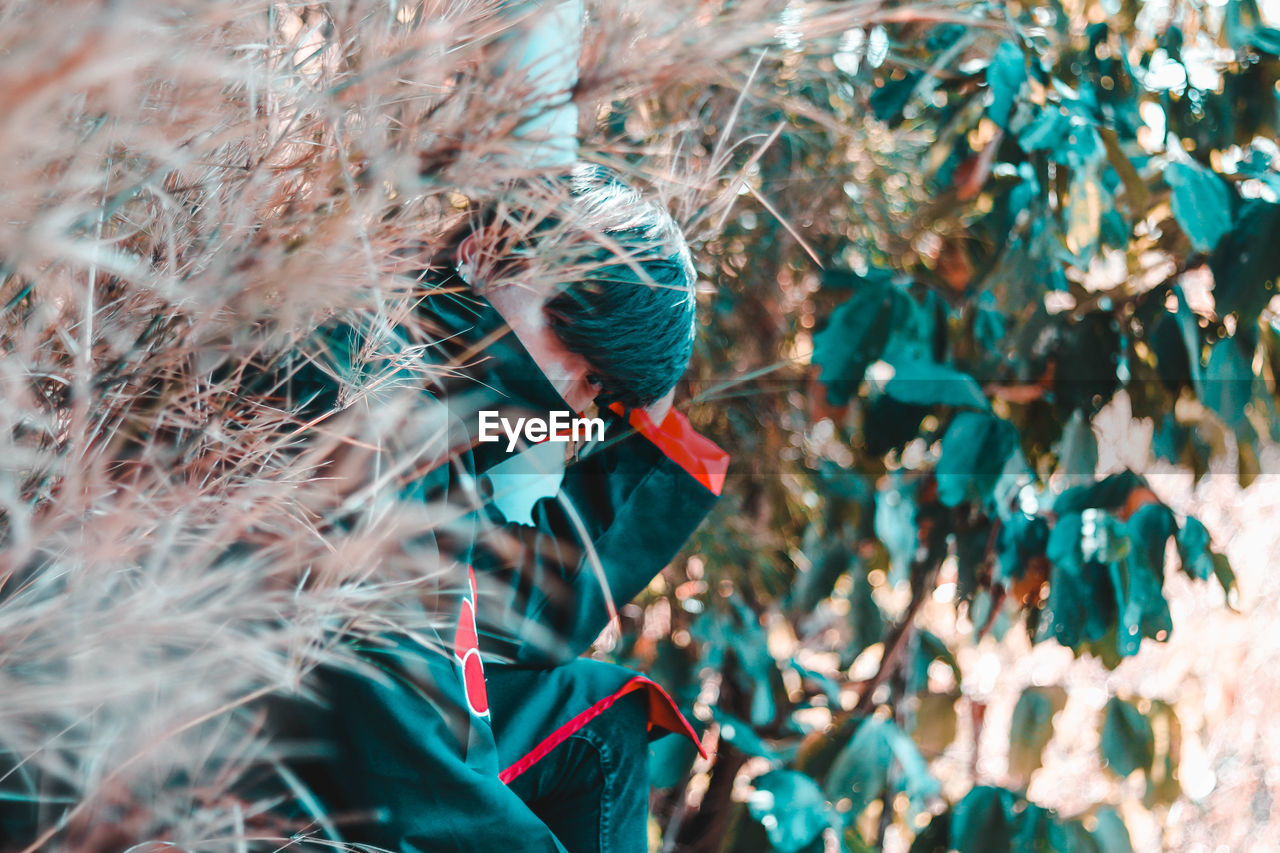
(417, 745)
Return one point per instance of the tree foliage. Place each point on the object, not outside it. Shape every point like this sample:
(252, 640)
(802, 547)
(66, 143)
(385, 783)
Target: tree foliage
(965, 236)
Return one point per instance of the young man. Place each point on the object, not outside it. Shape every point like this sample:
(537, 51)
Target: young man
(507, 739)
(535, 748)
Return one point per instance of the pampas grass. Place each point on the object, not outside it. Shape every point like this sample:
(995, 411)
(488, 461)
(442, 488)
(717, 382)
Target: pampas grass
(189, 189)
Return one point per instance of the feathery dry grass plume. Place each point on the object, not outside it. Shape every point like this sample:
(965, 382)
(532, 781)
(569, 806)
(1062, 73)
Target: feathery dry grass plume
(189, 188)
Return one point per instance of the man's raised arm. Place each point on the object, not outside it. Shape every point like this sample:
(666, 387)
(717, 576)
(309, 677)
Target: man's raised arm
(540, 53)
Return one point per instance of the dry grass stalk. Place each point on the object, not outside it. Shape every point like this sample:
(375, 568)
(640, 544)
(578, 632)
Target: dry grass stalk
(189, 187)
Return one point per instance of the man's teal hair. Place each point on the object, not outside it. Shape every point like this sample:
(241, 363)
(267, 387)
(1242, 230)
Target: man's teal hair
(630, 312)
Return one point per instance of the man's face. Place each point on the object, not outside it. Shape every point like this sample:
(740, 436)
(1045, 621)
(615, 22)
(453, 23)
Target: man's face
(522, 306)
(523, 309)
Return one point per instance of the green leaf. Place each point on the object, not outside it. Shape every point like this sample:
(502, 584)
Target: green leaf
(924, 383)
(669, 760)
(916, 320)
(1071, 837)
(935, 722)
(865, 620)
(1226, 576)
(739, 633)
(890, 99)
(1104, 649)
(1087, 359)
(743, 736)
(971, 558)
(1267, 40)
(982, 821)
(861, 769)
(812, 585)
(1162, 783)
(1139, 579)
(1082, 600)
(1270, 342)
(1201, 204)
(1247, 261)
(1064, 548)
(1044, 131)
(929, 648)
(1149, 529)
(1243, 25)
(1114, 230)
(854, 337)
(1066, 132)
(974, 451)
(1135, 188)
(1066, 609)
(790, 807)
(829, 686)
(1110, 493)
(1181, 444)
(1189, 329)
(1084, 214)
(1111, 833)
(1128, 743)
(1078, 450)
(934, 838)
(1005, 76)
(1022, 537)
(1228, 387)
(1034, 825)
(916, 779)
(1032, 727)
(895, 523)
(853, 842)
(889, 424)
(837, 278)
(1193, 548)
(1030, 264)
(980, 607)
(758, 672)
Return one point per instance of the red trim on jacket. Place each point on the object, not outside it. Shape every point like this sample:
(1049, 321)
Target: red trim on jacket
(698, 455)
(662, 713)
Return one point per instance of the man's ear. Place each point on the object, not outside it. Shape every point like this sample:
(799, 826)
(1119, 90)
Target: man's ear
(479, 260)
(467, 259)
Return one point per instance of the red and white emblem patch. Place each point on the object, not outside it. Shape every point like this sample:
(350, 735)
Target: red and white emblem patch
(466, 649)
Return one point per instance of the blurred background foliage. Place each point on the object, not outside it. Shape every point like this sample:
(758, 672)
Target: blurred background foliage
(956, 240)
(944, 244)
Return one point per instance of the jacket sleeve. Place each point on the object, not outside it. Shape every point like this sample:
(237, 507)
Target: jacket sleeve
(622, 513)
(540, 53)
(397, 766)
